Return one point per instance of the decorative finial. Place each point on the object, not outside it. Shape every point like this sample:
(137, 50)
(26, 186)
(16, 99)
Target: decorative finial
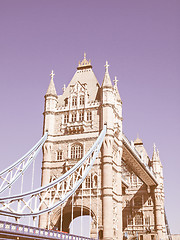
(157, 152)
(64, 88)
(115, 81)
(84, 55)
(106, 66)
(154, 147)
(52, 74)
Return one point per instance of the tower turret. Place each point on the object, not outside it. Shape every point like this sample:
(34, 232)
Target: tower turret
(50, 106)
(159, 195)
(111, 204)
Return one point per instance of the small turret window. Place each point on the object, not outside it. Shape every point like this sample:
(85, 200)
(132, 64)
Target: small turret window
(149, 202)
(89, 116)
(74, 101)
(81, 100)
(59, 155)
(76, 151)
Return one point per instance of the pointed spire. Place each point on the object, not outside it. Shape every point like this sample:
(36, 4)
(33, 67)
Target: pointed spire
(64, 88)
(51, 89)
(116, 89)
(115, 81)
(154, 156)
(107, 81)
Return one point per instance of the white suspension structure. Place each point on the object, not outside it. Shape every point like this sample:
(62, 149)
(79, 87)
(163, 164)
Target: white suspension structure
(16, 170)
(47, 198)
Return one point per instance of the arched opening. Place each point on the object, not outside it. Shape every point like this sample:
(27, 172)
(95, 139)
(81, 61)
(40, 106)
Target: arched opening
(77, 223)
(81, 226)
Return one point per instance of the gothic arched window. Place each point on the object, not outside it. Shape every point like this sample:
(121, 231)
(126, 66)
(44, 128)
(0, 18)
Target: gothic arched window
(81, 116)
(138, 219)
(74, 117)
(89, 116)
(66, 118)
(76, 151)
(74, 101)
(81, 100)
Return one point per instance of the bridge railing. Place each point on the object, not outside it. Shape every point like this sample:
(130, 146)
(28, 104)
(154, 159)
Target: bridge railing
(8, 228)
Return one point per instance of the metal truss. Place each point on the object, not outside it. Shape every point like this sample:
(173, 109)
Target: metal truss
(12, 173)
(47, 198)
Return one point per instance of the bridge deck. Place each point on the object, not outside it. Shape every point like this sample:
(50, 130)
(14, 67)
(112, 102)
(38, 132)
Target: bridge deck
(133, 159)
(10, 230)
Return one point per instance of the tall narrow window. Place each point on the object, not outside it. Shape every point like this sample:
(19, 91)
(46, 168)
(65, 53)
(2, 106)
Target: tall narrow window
(76, 151)
(147, 220)
(74, 117)
(66, 118)
(66, 101)
(129, 220)
(59, 155)
(74, 101)
(138, 219)
(81, 116)
(89, 116)
(81, 100)
(149, 202)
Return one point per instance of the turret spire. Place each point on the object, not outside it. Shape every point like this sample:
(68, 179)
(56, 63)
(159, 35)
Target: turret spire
(51, 89)
(116, 89)
(107, 81)
(154, 156)
(52, 74)
(115, 81)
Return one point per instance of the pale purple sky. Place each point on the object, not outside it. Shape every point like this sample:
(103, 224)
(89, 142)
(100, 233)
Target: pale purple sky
(141, 41)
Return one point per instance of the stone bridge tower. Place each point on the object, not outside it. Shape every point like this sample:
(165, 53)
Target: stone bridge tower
(74, 121)
(124, 192)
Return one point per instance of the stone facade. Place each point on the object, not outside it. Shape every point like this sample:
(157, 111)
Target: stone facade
(122, 205)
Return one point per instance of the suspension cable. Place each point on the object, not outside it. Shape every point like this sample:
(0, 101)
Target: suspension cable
(90, 204)
(97, 200)
(82, 206)
(72, 216)
(61, 218)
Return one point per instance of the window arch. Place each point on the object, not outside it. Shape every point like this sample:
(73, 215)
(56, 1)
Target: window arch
(76, 151)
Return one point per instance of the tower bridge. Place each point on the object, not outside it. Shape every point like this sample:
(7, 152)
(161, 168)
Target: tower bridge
(89, 168)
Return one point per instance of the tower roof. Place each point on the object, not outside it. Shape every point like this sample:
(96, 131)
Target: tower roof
(51, 89)
(107, 81)
(84, 75)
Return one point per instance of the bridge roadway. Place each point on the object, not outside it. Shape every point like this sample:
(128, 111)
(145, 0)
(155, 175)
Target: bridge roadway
(135, 161)
(18, 231)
